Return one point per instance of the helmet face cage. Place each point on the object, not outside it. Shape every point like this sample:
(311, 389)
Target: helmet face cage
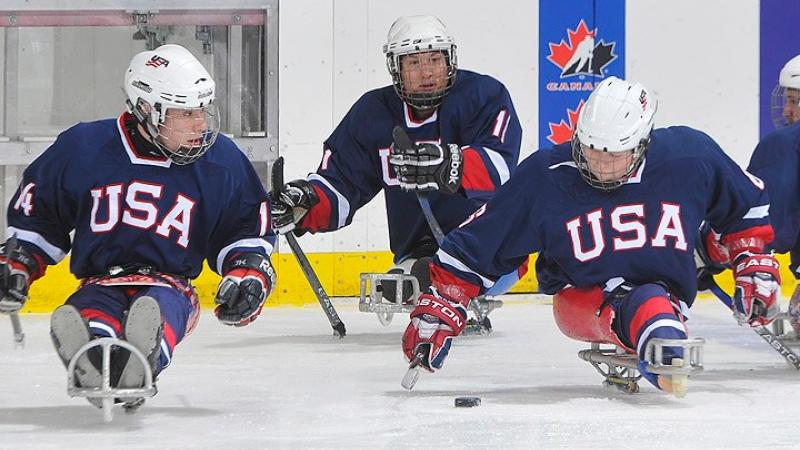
(783, 98)
(608, 185)
(423, 100)
(183, 139)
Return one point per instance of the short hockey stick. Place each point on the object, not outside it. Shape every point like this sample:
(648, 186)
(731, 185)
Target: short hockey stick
(305, 265)
(412, 375)
(787, 353)
(16, 325)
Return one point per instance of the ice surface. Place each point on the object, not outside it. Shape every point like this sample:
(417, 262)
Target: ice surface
(286, 382)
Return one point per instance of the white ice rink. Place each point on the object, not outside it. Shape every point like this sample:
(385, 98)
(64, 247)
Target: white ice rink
(285, 382)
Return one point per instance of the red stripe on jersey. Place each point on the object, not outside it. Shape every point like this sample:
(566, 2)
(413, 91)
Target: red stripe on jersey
(523, 268)
(319, 216)
(452, 287)
(169, 336)
(121, 120)
(242, 273)
(94, 314)
(649, 309)
(751, 240)
(476, 175)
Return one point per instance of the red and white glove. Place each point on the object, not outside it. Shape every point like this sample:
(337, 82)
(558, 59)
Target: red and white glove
(248, 281)
(758, 282)
(434, 322)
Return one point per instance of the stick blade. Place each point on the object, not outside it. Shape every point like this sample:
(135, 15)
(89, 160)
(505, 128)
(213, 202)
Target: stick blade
(410, 378)
(400, 137)
(339, 330)
(277, 175)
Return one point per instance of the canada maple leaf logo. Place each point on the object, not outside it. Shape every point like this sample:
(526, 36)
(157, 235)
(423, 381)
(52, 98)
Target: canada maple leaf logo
(582, 55)
(562, 132)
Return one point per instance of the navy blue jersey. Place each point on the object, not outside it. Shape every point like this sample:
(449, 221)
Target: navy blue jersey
(126, 207)
(644, 231)
(477, 114)
(776, 160)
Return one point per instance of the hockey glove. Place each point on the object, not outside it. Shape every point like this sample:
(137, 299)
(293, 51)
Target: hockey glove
(758, 282)
(434, 322)
(248, 281)
(426, 167)
(290, 205)
(17, 267)
(710, 256)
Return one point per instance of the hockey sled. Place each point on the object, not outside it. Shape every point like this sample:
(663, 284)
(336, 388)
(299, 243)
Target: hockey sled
(620, 368)
(784, 332)
(371, 300)
(105, 392)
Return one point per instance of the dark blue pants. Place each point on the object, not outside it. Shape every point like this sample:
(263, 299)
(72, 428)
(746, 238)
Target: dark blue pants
(105, 306)
(648, 311)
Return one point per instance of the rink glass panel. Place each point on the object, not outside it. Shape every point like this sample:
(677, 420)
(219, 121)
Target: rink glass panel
(61, 67)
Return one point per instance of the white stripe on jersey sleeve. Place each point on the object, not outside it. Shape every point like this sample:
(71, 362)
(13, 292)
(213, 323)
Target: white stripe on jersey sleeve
(55, 253)
(249, 242)
(757, 212)
(342, 203)
(499, 165)
(451, 261)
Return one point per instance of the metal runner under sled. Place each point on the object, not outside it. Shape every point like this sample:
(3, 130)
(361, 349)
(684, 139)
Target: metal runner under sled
(783, 330)
(371, 300)
(620, 369)
(106, 392)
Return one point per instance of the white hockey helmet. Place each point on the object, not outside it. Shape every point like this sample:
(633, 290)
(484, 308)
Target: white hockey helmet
(170, 77)
(617, 117)
(787, 90)
(417, 34)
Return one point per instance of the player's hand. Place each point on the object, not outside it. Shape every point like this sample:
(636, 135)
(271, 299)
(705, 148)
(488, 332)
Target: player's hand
(16, 267)
(288, 207)
(434, 322)
(758, 282)
(710, 256)
(426, 167)
(248, 281)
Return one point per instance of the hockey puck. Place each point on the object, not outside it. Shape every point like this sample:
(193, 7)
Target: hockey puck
(467, 402)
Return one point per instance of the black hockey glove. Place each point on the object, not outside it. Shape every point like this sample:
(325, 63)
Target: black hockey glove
(248, 281)
(426, 167)
(290, 205)
(17, 265)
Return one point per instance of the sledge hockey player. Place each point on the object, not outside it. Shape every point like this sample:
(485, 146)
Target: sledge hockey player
(149, 196)
(467, 139)
(613, 215)
(786, 95)
(776, 160)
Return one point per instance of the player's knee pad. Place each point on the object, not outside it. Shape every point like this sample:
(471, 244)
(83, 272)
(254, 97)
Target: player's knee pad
(582, 315)
(411, 266)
